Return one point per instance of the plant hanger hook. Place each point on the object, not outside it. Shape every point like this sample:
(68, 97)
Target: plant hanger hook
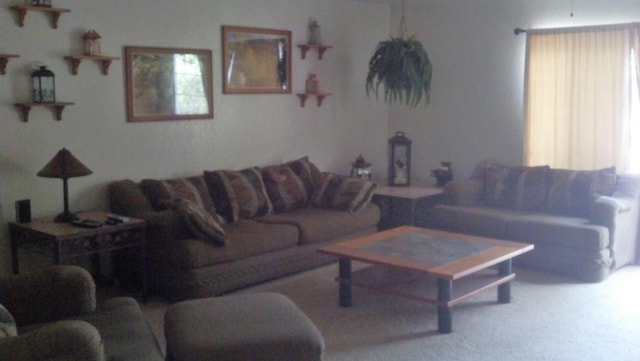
(403, 23)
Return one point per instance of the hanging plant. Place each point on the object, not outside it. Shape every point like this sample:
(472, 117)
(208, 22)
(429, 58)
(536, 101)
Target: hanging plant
(402, 67)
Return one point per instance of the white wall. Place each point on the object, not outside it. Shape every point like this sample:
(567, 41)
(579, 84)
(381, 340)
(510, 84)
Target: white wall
(476, 109)
(247, 130)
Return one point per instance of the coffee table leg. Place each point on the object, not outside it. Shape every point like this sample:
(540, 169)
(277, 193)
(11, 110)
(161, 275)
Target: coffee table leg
(445, 289)
(345, 287)
(504, 290)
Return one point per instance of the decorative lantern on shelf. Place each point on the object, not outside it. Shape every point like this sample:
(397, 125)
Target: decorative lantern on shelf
(45, 3)
(312, 85)
(361, 168)
(314, 32)
(43, 83)
(92, 44)
(399, 160)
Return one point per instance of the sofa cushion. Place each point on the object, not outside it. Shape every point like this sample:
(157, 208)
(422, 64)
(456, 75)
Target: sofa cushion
(200, 223)
(342, 192)
(320, 225)
(561, 231)
(571, 192)
(239, 194)
(521, 188)
(481, 220)
(308, 172)
(246, 238)
(284, 187)
(7, 323)
(191, 188)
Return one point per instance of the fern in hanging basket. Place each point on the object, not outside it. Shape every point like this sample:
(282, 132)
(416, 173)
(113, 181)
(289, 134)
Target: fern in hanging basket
(402, 67)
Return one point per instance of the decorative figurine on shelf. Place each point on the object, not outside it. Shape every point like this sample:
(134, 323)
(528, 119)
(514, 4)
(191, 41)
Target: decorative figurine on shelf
(43, 83)
(45, 3)
(361, 168)
(443, 174)
(314, 32)
(92, 44)
(312, 85)
(399, 160)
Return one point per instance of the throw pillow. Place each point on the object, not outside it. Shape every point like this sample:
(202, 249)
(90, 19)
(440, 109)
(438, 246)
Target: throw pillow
(285, 189)
(308, 172)
(199, 222)
(571, 192)
(191, 188)
(7, 323)
(520, 188)
(239, 194)
(342, 192)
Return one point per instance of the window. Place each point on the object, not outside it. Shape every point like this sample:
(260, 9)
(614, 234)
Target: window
(582, 98)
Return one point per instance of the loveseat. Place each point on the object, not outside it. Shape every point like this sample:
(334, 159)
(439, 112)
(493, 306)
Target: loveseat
(222, 230)
(583, 224)
(58, 318)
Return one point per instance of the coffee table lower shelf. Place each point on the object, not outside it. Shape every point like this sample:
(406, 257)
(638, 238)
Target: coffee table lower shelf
(421, 287)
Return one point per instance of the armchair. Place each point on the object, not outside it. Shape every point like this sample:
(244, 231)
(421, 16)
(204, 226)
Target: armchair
(57, 319)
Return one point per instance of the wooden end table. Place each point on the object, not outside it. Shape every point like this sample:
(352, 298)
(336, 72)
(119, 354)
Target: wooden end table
(399, 205)
(64, 241)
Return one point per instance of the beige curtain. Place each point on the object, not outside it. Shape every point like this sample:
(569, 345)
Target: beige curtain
(577, 97)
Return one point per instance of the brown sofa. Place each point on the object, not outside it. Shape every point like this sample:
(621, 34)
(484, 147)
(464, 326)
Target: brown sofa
(584, 224)
(270, 220)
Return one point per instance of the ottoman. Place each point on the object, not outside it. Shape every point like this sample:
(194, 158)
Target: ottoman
(251, 327)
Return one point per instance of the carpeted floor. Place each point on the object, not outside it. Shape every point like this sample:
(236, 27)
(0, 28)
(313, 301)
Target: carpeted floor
(549, 318)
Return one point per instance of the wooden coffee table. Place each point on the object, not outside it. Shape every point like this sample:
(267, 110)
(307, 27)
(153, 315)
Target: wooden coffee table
(437, 267)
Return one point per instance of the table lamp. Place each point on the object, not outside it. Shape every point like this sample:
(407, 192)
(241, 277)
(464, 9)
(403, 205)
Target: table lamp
(64, 166)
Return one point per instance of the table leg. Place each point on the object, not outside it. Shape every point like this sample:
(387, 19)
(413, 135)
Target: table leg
(504, 290)
(445, 290)
(14, 249)
(345, 287)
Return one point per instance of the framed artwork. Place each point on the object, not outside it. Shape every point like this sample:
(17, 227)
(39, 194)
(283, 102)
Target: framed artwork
(256, 60)
(168, 84)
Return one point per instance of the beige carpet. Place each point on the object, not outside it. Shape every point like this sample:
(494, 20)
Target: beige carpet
(549, 318)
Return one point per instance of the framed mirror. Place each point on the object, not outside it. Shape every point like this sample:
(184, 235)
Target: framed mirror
(256, 60)
(168, 84)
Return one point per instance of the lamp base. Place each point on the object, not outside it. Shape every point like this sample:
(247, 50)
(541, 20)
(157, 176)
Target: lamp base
(65, 217)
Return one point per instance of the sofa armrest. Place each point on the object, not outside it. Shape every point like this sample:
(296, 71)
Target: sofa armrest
(47, 295)
(463, 192)
(69, 340)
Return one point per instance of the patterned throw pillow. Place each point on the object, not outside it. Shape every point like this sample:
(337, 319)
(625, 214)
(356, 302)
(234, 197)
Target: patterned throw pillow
(285, 189)
(520, 188)
(200, 223)
(7, 323)
(191, 188)
(342, 192)
(239, 194)
(571, 192)
(308, 172)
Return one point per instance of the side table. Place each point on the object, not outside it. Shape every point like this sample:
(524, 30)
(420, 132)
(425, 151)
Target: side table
(399, 205)
(64, 241)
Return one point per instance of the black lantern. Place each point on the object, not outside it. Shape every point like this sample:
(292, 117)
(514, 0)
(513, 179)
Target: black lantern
(46, 3)
(399, 160)
(43, 83)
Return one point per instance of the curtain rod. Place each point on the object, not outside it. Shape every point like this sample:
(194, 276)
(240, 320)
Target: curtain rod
(518, 31)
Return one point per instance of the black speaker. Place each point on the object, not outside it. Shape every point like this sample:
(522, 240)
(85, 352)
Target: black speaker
(23, 211)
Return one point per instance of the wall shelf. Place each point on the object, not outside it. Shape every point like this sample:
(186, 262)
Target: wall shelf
(23, 9)
(26, 107)
(321, 49)
(319, 96)
(4, 59)
(75, 61)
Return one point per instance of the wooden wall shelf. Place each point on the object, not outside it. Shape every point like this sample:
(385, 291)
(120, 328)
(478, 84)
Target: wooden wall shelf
(26, 107)
(4, 59)
(75, 61)
(321, 49)
(319, 96)
(23, 9)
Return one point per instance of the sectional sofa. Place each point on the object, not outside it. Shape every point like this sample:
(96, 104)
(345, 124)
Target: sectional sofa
(583, 224)
(222, 230)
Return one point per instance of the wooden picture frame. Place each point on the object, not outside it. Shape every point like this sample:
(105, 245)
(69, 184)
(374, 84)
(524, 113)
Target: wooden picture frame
(256, 60)
(168, 84)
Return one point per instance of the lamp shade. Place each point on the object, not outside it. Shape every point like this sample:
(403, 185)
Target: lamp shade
(64, 165)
